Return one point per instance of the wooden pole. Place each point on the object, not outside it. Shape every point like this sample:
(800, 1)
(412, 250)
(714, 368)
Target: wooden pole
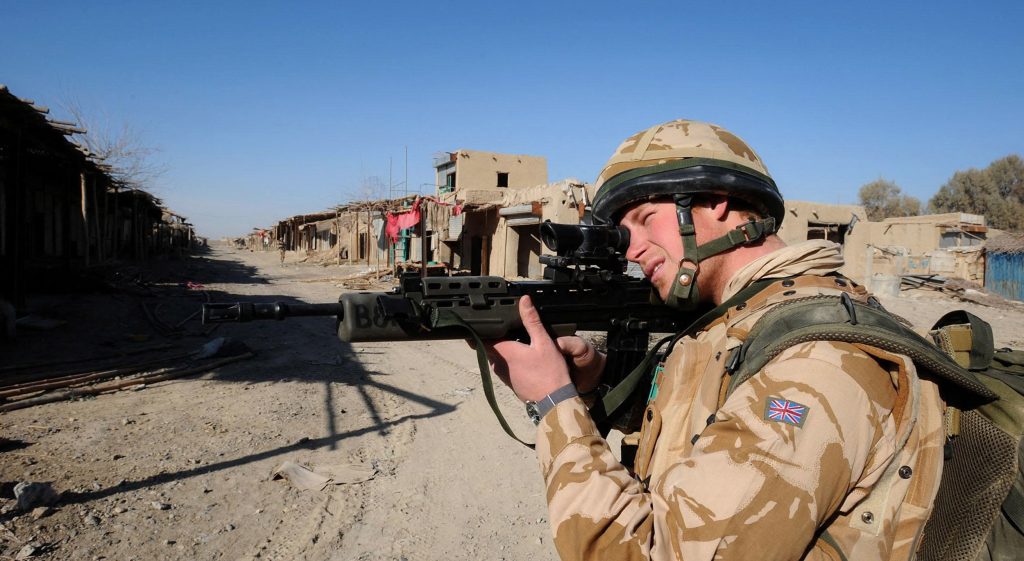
(485, 255)
(390, 243)
(136, 228)
(111, 386)
(81, 378)
(423, 239)
(96, 222)
(353, 236)
(117, 220)
(85, 217)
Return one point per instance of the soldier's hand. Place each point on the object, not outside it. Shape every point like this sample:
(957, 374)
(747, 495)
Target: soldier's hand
(587, 363)
(532, 370)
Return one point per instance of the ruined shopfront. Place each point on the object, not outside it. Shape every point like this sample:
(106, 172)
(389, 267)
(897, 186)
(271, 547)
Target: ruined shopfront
(498, 233)
(60, 209)
(947, 245)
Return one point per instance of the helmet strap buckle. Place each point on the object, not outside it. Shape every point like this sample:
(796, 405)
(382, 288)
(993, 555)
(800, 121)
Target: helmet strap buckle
(748, 233)
(752, 231)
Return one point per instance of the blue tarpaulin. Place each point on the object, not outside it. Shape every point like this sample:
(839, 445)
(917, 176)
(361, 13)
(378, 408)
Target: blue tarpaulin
(1004, 274)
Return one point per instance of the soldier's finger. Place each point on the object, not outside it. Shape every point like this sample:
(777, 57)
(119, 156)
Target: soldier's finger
(497, 354)
(575, 348)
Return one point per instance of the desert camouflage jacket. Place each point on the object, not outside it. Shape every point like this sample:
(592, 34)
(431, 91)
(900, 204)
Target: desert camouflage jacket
(831, 451)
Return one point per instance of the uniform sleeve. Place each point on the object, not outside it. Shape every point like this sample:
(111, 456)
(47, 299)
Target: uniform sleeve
(782, 454)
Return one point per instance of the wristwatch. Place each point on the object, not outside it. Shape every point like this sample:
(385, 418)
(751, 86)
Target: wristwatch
(537, 409)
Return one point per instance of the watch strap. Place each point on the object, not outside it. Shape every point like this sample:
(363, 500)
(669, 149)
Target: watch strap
(548, 402)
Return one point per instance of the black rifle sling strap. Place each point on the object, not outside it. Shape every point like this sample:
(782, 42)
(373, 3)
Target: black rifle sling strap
(621, 393)
(447, 318)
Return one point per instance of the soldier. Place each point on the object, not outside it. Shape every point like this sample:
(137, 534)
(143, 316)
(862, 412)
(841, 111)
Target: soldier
(281, 250)
(831, 451)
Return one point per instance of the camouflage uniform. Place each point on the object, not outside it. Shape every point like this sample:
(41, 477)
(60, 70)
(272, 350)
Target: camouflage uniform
(856, 468)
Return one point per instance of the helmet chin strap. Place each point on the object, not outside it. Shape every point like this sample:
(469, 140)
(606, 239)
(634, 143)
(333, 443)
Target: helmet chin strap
(684, 295)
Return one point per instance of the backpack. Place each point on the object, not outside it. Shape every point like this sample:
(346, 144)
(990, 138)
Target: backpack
(979, 510)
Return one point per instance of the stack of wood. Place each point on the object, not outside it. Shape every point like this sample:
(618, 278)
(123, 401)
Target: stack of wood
(957, 288)
(931, 282)
(26, 385)
(365, 281)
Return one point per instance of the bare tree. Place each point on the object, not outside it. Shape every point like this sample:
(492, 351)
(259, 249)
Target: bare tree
(371, 188)
(121, 147)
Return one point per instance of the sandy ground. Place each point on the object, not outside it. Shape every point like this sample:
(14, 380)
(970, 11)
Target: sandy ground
(182, 469)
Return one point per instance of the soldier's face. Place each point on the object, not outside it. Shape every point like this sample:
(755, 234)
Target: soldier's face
(654, 242)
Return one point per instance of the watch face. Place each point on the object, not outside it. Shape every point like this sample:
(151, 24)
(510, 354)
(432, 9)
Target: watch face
(532, 413)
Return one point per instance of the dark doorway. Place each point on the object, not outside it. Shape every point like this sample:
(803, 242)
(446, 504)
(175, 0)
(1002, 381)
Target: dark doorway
(528, 252)
(476, 246)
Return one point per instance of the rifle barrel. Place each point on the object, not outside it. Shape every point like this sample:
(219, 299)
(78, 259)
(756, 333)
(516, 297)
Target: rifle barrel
(248, 311)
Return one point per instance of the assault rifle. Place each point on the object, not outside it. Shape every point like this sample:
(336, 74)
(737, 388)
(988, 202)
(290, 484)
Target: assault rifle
(584, 288)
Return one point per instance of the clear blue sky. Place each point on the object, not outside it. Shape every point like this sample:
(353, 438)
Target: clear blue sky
(263, 110)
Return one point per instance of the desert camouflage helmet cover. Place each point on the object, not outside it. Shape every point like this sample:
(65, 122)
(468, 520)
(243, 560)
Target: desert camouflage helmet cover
(684, 156)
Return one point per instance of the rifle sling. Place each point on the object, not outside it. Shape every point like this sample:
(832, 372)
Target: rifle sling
(615, 398)
(447, 318)
(622, 391)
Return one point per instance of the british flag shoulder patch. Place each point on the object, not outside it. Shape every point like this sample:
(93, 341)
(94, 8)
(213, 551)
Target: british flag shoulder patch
(785, 411)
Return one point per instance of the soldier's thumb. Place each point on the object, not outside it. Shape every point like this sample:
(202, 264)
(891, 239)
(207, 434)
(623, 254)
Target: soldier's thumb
(531, 320)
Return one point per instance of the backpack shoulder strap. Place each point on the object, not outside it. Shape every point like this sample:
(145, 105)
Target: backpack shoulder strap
(968, 339)
(842, 319)
(980, 346)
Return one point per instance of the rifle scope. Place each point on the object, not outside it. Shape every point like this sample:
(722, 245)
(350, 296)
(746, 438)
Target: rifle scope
(584, 239)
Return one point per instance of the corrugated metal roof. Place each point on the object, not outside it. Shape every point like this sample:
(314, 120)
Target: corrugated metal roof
(1006, 243)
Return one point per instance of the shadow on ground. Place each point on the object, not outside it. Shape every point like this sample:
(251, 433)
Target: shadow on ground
(300, 349)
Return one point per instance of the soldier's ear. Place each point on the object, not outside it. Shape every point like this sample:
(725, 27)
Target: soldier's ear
(714, 207)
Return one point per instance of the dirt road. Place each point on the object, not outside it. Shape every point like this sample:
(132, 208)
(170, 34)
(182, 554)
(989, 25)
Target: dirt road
(182, 469)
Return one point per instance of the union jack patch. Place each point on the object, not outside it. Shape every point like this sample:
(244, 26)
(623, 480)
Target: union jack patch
(785, 411)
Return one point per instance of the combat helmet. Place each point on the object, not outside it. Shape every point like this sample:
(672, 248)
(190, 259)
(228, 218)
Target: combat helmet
(678, 160)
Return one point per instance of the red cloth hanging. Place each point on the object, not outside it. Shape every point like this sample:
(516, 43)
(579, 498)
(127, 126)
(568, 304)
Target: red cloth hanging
(402, 221)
